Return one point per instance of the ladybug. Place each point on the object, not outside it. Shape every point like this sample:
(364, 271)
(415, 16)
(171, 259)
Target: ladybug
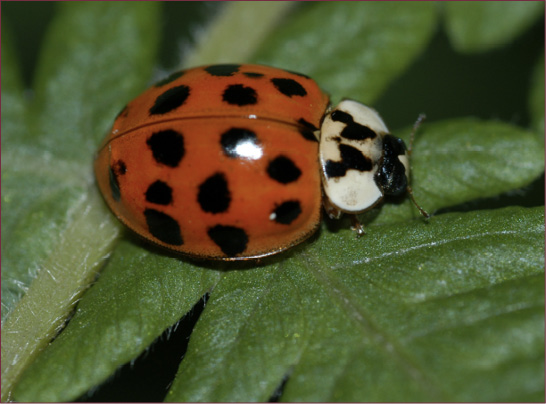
(227, 162)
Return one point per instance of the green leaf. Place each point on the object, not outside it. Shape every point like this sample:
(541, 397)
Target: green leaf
(70, 74)
(477, 26)
(445, 311)
(349, 40)
(12, 121)
(56, 230)
(138, 295)
(223, 44)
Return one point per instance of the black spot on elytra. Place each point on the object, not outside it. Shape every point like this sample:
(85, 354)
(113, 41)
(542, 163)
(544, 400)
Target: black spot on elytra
(287, 212)
(170, 100)
(352, 130)
(115, 171)
(222, 70)
(307, 134)
(234, 138)
(231, 240)
(253, 75)
(163, 227)
(351, 159)
(119, 168)
(283, 170)
(391, 175)
(160, 193)
(237, 94)
(214, 195)
(170, 78)
(307, 125)
(289, 87)
(167, 147)
(307, 130)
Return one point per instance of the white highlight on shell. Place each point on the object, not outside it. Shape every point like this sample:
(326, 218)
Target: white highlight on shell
(249, 150)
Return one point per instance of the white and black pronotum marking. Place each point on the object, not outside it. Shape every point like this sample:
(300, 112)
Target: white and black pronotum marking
(361, 162)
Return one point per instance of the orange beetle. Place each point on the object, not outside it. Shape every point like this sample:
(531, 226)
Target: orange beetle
(218, 162)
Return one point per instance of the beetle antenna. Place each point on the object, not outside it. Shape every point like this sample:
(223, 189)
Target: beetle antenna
(423, 212)
(416, 126)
